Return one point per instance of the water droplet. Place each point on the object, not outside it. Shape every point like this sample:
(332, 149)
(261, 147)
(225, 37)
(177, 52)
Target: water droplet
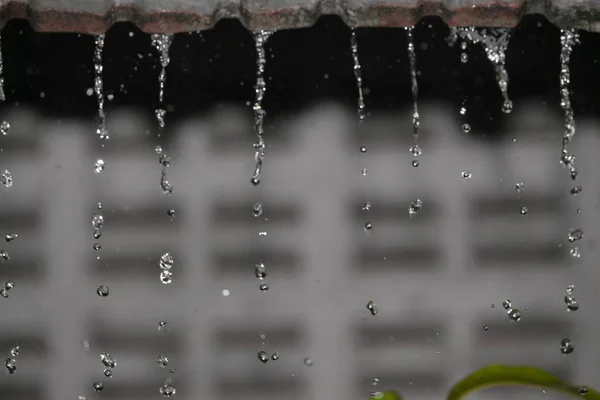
(368, 226)
(263, 356)
(308, 362)
(507, 106)
(415, 163)
(166, 277)
(171, 213)
(576, 190)
(86, 345)
(11, 365)
(97, 220)
(485, 328)
(5, 128)
(162, 361)
(81, 398)
(566, 346)
(463, 110)
(520, 187)
(416, 150)
(257, 209)
(372, 307)
(524, 210)
(167, 390)
(466, 174)
(575, 235)
(574, 252)
(11, 236)
(493, 306)
(366, 206)
(164, 160)
(375, 381)
(583, 390)
(260, 271)
(4, 255)
(15, 351)
(9, 285)
(415, 207)
(571, 302)
(108, 373)
(466, 128)
(99, 166)
(98, 386)
(464, 57)
(514, 315)
(97, 246)
(264, 287)
(364, 171)
(103, 291)
(275, 356)
(225, 292)
(108, 360)
(166, 261)
(162, 324)
(6, 180)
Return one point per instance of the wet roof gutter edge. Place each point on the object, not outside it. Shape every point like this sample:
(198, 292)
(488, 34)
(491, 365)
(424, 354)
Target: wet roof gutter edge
(173, 16)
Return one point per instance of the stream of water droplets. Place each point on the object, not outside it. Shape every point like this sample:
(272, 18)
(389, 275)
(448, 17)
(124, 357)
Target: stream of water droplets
(495, 42)
(99, 86)
(416, 119)
(357, 75)
(162, 43)
(260, 38)
(568, 39)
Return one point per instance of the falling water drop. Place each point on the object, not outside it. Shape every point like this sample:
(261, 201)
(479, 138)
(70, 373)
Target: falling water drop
(372, 307)
(415, 207)
(166, 261)
(108, 373)
(466, 128)
(11, 365)
(574, 252)
(108, 360)
(524, 210)
(162, 360)
(519, 188)
(570, 300)
(6, 179)
(162, 324)
(4, 127)
(10, 237)
(103, 291)
(366, 206)
(257, 209)
(263, 356)
(464, 58)
(4, 255)
(260, 271)
(368, 225)
(576, 190)
(566, 346)
(99, 166)
(275, 356)
(357, 74)
(466, 174)
(583, 390)
(263, 287)
(308, 362)
(260, 38)
(15, 351)
(166, 277)
(167, 390)
(412, 58)
(101, 131)
(171, 213)
(415, 163)
(575, 235)
(568, 39)
(98, 386)
(513, 313)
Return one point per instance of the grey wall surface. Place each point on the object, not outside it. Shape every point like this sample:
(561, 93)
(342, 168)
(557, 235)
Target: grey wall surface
(437, 278)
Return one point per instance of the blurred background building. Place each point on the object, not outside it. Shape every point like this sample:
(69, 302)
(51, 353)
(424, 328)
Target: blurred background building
(438, 278)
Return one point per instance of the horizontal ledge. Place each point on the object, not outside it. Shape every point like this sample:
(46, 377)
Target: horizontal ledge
(174, 16)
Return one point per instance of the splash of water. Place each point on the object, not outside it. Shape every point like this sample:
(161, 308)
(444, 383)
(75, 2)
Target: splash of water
(357, 74)
(495, 42)
(568, 39)
(416, 120)
(260, 38)
(101, 131)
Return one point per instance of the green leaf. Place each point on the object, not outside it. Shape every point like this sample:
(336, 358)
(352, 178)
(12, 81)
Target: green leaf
(388, 395)
(503, 375)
